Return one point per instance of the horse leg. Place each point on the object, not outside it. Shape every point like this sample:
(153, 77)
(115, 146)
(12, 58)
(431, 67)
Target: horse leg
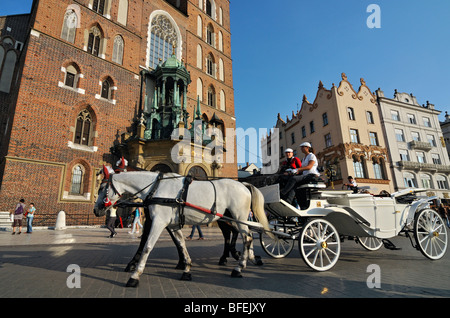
(247, 242)
(235, 253)
(147, 226)
(184, 254)
(226, 231)
(182, 260)
(155, 231)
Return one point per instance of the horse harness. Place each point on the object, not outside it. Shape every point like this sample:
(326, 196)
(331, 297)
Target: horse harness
(179, 201)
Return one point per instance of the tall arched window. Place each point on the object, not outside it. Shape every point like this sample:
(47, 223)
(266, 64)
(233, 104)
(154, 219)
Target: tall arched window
(358, 166)
(99, 6)
(107, 89)
(83, 128)
(211, 96)
(210, 35)
(163, 40)
(94, 39)
(210, 65)
(69, 27)
(77, 180)
(117, 56)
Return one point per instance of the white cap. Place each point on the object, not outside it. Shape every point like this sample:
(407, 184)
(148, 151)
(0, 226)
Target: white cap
(305, 144)
(289, 150)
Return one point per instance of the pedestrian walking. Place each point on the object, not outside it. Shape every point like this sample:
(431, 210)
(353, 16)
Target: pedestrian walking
(200, 234)
(111, 222)
(18, 216)
(30, 216)
(137, 221)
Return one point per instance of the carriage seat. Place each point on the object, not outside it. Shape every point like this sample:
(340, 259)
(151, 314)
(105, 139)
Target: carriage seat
(313, 183)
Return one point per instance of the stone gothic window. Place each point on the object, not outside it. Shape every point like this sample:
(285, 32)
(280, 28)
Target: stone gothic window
(118, 50)
(163, 40)
(83, 128)
(94, 41)
(69, 27)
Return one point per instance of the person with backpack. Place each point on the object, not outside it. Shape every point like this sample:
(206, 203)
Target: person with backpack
(18, 215)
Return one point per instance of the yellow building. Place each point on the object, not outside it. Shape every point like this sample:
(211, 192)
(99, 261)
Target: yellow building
(344, 128)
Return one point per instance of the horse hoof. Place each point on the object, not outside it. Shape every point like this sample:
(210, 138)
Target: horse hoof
(181, 266)
(186, 277)
(259, 261)
(130, 268)
(236, 274)
(223, 261)
(236, 255)
(133, 283)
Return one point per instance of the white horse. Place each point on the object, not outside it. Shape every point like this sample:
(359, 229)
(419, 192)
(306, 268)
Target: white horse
(204, 202)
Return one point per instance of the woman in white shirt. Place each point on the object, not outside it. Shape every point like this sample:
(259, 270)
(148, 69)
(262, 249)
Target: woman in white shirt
(307, 172)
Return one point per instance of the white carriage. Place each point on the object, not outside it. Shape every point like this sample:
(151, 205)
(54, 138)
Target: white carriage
(328, 215)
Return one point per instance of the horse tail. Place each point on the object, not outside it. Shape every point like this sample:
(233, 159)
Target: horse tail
(258, 207)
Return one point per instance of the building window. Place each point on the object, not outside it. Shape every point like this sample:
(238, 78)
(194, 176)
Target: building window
(373, 138)
(394, 115)
(369, 116)
(426, 122)
(399, 135)
(378, 169)
(209, 8)
(404, 155)
(358, 167)
(69, 27)
(410, 180)
(94, 41)
(210, 66)
(293, 138)
(354, 137)
(311, 127)
(303, 132)
(117, 56)
(351, 113)
(106, 89)
(211, 97)
(325, 119)
(163, 40)
(415, 136)
(431, 140)
(426, 181)
(83, 128)
(328, 140)
(77, 180)
(99, 6)
(436, 159)
(210, 35)
(420, 157)
(441, 182)
(412, 119)
(71, 77)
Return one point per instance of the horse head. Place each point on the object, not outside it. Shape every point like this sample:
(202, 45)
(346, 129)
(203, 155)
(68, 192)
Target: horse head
(107, 196)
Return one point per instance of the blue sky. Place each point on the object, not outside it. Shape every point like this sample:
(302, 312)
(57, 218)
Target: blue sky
(282, 49)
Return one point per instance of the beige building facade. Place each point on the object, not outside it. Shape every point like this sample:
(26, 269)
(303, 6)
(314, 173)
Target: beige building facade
(343, 126)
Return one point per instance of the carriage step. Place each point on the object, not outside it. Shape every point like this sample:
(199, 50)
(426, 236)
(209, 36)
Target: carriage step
(389, 245)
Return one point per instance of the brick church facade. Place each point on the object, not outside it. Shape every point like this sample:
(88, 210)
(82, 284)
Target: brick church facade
(73, 88)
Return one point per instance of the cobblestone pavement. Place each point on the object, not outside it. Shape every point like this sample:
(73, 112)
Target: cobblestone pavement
(36, 265)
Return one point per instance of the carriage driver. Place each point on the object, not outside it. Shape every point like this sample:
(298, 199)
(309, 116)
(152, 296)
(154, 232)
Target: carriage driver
(291, 164)
(304, 174)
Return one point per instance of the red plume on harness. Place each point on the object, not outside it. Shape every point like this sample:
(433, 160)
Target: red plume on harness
(107, 171)
(122, 163)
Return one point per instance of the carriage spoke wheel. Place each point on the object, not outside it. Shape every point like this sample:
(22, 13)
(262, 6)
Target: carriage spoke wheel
(320, 245)
(430, 234)
(277, 246)
(370, 243)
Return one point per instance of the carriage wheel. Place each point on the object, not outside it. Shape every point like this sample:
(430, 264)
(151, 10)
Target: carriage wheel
(370, 243)
(276, 247)
(320, 245)
(430, 234)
